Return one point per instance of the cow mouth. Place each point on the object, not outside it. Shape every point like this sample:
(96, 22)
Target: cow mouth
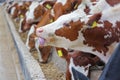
(41, 41)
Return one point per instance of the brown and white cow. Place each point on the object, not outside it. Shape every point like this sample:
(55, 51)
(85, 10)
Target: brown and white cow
(32, 43)
(98, 33)
(18, 10)
(47, 18)
(80, 61)
(34, 14)
(32, 40)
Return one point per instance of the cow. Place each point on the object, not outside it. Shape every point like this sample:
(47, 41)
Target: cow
(96, 33)
(34, 14)
(47, 18)
(80, 61)
(19, 9)
(31, 39)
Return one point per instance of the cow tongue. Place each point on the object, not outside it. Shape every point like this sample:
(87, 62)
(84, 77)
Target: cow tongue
(41, 41)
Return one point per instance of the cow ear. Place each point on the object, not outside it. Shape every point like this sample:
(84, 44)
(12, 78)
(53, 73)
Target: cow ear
(94, 18)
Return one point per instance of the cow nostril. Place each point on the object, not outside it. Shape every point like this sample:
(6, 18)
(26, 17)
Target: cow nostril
(40, 30)
(29, 21)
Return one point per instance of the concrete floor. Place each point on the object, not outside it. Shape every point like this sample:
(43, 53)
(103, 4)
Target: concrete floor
(9, 62)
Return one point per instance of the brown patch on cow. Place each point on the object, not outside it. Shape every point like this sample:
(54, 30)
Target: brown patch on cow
(70, 32)
(93, 18)
(87, 10)
(25, 26)
(69, 6)
(95, 37)
(32, 41)
(113, 2)
(84, 58)
(58, 10)
(75, 3)
(46, 19)
(39, 11)
(45, 52)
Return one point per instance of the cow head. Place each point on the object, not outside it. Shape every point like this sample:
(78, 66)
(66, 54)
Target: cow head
(23, 9)
(24, 26)
(62, 28)
(9, 9)
(30, 42)
(36, 10)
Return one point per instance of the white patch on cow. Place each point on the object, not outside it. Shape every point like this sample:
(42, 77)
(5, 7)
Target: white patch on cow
(100, 6)
(12, 10)
(37, 44)
(52, 12)
(20, 3)
(80, 69)
(30, 12)
(32, 29)
(85, 3)
(62, 1)
(108, 35)
(112, 15)
(20, 27)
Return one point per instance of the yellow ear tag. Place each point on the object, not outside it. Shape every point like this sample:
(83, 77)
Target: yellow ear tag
(21, 16)
(75, 7)
(51, 20)
(60, 54)
(48, 6)
(94, 24)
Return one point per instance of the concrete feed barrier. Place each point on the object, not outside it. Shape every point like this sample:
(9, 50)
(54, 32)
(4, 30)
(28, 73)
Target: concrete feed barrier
(30, 67)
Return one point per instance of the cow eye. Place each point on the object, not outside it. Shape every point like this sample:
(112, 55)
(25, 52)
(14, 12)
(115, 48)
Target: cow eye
(81, 58)
(50, 34)
(66, 24)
